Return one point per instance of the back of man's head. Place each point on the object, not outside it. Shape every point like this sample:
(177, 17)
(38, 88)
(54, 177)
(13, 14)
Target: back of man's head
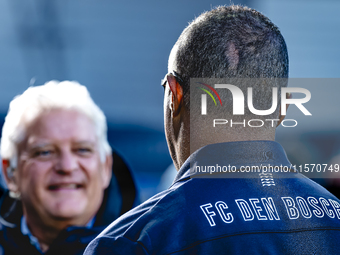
(229, 42)
(235, 43)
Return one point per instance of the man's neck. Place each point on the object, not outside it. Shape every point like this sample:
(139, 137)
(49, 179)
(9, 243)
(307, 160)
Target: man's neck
(41, 238)
(44, 233)
(197, 144)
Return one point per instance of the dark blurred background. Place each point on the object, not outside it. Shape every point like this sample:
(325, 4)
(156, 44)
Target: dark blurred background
(119, 50)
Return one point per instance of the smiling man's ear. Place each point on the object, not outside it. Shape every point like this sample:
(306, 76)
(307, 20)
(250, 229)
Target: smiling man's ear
(177, 95)
(10, 178)
(281, 117)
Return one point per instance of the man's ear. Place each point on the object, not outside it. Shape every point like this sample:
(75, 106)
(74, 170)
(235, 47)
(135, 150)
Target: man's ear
(177, 95)
(281, 117)
(107, 171)
(10, 178)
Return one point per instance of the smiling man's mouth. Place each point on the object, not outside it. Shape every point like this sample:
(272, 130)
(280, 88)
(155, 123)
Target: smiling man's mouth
(65, 186)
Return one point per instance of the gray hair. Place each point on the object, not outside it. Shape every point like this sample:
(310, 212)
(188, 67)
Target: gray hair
(25, 108)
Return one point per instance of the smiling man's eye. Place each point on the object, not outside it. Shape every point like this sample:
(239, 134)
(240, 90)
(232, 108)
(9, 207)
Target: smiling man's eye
(83, 151)
(42, 153)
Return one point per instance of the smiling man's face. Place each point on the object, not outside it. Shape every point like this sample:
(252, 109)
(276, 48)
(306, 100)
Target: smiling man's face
(60, 175)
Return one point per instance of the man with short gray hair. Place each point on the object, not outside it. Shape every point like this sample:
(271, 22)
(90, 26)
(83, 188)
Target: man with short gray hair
(57, 163)
(219, 202)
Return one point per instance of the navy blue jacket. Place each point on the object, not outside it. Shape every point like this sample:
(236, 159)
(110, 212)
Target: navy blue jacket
(119, 197)
(230, 212)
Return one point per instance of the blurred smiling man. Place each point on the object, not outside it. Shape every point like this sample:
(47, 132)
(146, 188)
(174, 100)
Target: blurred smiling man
(60, 172)
(57, 163)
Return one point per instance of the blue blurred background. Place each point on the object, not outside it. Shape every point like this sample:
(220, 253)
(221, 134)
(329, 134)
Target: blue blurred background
(119, 50)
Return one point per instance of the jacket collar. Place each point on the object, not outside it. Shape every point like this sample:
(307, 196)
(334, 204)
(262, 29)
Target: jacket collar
(245, 153)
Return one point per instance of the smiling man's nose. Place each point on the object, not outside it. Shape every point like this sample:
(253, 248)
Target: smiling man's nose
(67, 162)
